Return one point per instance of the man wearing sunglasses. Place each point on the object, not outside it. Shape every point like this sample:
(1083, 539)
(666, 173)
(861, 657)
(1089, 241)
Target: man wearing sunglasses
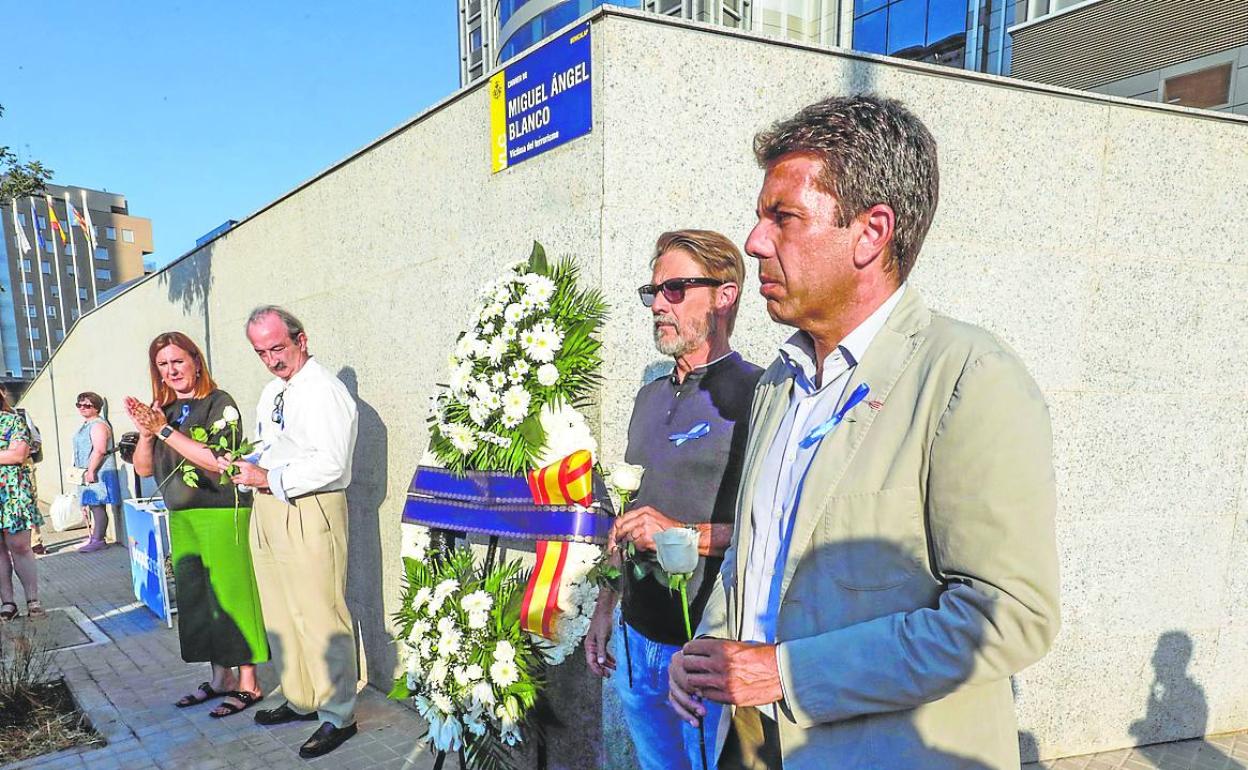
(894, 560)
(306, 423)
(688, 431)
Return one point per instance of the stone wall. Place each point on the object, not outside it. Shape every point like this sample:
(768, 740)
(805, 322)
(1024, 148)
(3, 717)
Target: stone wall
(1103, 239)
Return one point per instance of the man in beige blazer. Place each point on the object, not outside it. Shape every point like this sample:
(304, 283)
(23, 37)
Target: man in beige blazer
(894, 559)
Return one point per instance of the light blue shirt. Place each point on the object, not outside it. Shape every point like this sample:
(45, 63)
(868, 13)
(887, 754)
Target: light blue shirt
(779, 486)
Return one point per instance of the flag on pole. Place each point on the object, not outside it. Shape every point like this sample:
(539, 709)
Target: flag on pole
(56, 223)
(23, 243)
(75, 218)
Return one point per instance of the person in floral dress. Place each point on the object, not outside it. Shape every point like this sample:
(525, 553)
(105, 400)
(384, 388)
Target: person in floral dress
(18, 514)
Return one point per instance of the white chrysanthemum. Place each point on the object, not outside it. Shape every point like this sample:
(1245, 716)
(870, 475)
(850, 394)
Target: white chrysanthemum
(496, 349)
(547, 375)
(504, 673)
(465, 347)
(492, 401)
(508, 332)
(478, 620)
(518, 371)
(514, 314)
(492, 310)
(438, 671)
(446, 625)
(498, 381)
(477, 601)
(544, 341)
(512, 419)
(503, 292)
(516, 400)
(443, 703)
(419, 629)
(566, 432)
(426, 647)
(474, 672)
(461, 676)
(461, 437)
(449, 644)
(540, 289)
(503, 651)
(459, 378)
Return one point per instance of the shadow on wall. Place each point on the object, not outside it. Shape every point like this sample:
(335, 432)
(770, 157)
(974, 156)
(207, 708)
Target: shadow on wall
(365, 496)
(1176, 708)
(188, 284)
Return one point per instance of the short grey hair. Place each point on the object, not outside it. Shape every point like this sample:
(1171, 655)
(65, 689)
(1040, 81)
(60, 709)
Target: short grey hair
(294, 327)
(873, 151)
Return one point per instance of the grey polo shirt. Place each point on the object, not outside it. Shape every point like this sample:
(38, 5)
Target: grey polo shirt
(694, 481)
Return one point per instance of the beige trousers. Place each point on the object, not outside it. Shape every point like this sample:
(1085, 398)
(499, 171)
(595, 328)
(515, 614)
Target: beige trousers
(300, 554)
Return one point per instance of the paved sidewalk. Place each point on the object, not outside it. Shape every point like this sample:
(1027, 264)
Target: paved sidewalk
(128, 680)
(129, 677)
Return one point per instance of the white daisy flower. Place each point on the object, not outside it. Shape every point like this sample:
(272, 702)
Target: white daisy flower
(504, 673)
(504, 651)
(477, 601)
(461, 438)
(514, 313)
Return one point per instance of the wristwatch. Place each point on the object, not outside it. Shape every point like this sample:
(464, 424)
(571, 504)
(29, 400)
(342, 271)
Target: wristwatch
(164, 433)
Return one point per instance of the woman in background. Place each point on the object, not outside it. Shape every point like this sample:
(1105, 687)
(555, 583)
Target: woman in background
(93, 444)
(18, 514)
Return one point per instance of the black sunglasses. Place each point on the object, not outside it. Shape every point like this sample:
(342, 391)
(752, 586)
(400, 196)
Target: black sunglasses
(85, 405)
(673, 289)
(279, 404)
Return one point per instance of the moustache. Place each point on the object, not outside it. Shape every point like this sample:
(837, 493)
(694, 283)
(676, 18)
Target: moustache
(665, 319)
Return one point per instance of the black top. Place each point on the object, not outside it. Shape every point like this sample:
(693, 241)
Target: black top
(184, 414)
(695, 482)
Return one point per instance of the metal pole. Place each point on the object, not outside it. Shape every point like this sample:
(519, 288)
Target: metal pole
(73, 245)
(43, 287)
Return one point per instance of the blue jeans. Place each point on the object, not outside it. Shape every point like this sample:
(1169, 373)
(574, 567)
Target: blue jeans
(663, 740)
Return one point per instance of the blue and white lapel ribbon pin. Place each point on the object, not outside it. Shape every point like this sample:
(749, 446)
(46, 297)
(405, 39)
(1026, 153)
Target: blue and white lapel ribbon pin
(824, 428)
(696, 432)
(186, 412)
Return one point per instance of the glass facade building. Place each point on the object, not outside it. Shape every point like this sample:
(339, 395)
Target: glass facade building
(970, 34)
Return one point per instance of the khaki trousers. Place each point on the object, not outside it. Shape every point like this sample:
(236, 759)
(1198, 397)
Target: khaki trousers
(299, 550)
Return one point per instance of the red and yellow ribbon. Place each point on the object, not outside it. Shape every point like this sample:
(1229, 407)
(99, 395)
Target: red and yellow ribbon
(568, 481)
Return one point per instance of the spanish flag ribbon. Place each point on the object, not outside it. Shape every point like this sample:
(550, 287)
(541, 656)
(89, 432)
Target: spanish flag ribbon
(568, 481)
(541, 596)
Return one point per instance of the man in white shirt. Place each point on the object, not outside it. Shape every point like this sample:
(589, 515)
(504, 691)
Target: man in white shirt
(306, 430)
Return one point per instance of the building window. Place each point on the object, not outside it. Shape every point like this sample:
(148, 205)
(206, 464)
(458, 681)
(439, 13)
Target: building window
(95, 231)
(110, 233)
(51, 311)
(21, 218)
(30, 288)
(38, 356)
(47, 269)
(56, 291)
(32, 311)
(34, 333)
(59, 334)
(74, 313)
(103, 275)
(1209, 87)
(82, 294)
(43, 222)
(101, 253)
(26, 265)
(69, 269)
(69, 249)
(127, 236)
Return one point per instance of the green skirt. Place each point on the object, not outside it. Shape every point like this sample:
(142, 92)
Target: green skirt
(219, 618)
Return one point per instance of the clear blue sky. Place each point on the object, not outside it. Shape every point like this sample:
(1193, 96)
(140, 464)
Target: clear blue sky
(200, 112)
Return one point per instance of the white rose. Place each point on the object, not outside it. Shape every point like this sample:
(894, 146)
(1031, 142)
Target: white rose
(677, 549)
(219, 425)
(229, 414)
(626, 477)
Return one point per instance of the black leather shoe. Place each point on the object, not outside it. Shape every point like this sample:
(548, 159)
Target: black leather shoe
(281, 715)
(326, 739)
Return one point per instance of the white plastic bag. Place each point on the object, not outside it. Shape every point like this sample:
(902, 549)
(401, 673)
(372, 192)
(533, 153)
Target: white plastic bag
(66, 513)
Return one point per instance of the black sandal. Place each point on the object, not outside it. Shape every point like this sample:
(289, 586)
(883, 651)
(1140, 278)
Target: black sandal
(209, 693)
(7, 615)
(229, 709)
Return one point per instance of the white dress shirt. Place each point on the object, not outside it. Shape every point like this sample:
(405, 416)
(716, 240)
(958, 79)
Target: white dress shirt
(780, 479)
(310, 449)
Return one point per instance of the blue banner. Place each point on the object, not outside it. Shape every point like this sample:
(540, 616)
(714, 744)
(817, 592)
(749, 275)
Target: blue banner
(497, 504)
(146, 541)
(542, 100)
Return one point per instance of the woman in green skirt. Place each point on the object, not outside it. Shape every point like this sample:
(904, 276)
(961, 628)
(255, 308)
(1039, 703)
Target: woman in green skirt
(219, 619)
